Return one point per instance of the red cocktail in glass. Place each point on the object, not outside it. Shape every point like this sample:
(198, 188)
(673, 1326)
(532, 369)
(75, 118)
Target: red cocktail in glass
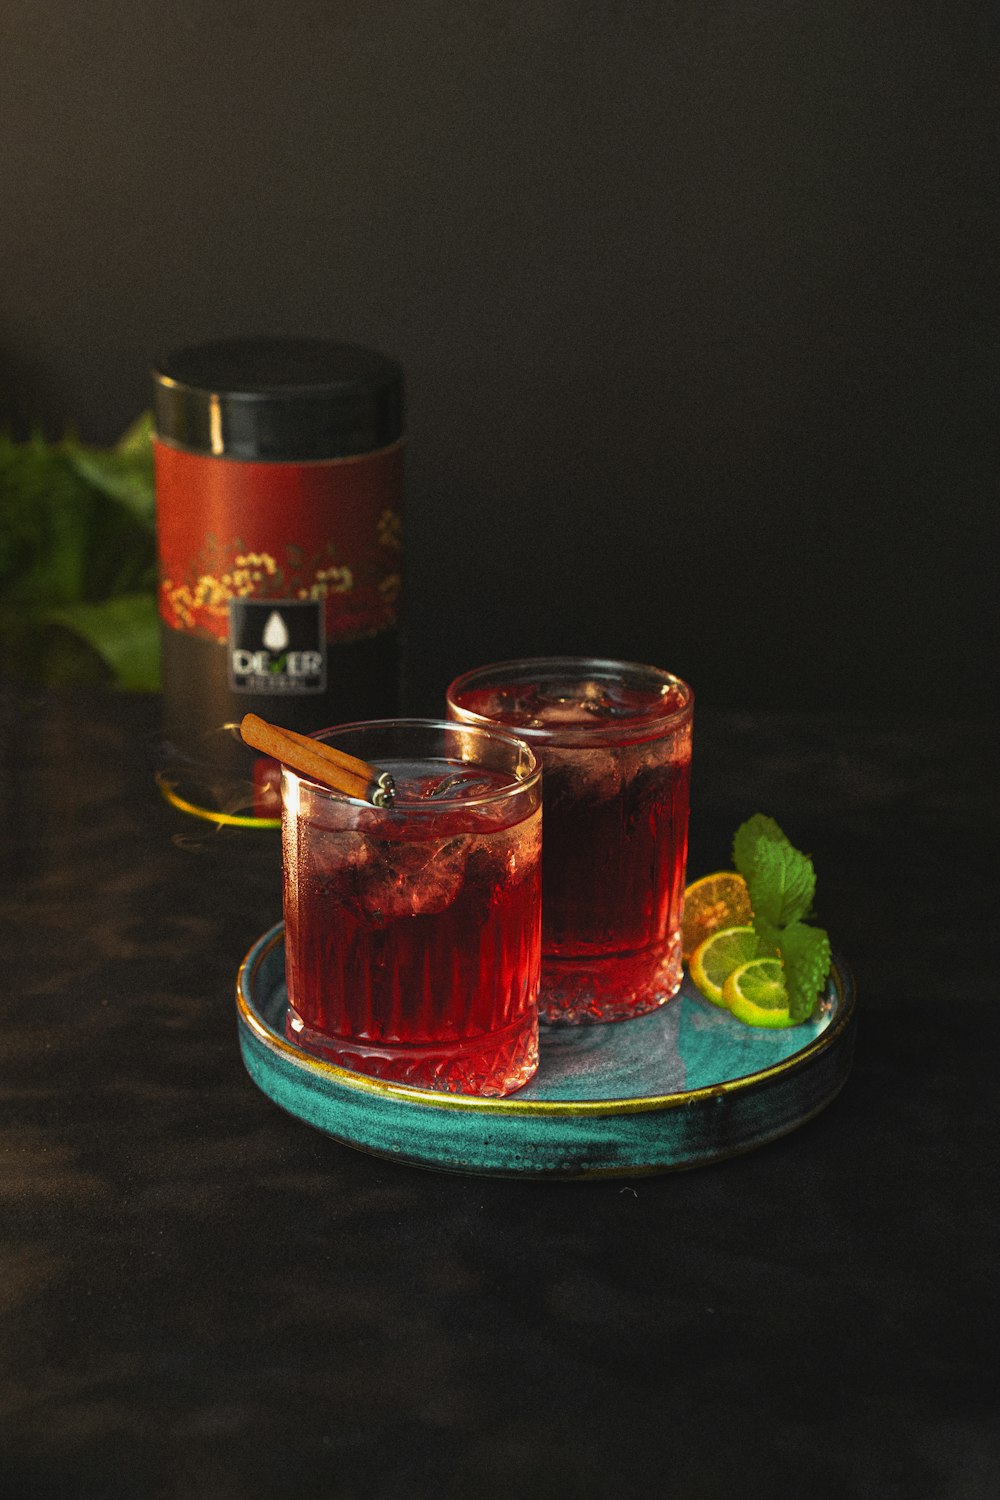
(614, 739)
(412, 933)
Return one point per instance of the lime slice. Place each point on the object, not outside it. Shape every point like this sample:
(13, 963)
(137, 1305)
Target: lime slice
(714, 960)
(756, 994)
(714, 901)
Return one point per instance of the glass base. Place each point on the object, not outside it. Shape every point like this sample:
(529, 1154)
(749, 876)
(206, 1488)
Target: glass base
(491, 1065)
(614, 987)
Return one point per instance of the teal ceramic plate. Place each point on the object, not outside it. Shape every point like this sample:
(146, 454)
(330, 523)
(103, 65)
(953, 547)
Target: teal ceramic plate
(679, 1087)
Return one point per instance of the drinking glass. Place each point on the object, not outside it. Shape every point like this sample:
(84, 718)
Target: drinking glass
(614, 739)
(412, 933)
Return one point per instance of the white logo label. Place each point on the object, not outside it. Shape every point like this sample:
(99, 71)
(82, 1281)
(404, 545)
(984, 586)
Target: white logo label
(276, 648)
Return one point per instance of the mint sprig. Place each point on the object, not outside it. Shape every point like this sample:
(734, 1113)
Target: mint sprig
(781, 883)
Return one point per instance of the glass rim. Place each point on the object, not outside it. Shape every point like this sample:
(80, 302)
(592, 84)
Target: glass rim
(631, 730)
(486, 730)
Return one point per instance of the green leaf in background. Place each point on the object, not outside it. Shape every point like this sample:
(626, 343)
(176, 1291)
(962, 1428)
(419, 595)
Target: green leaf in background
(125, 634)
(124, 472)
(78, 560)
(46, 519)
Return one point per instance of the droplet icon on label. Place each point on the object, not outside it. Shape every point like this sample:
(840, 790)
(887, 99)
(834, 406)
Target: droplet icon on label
(275, 635)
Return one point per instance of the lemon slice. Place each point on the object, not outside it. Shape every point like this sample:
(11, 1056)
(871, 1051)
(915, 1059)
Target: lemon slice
(714, 901)
(714, 960)
(756, 994)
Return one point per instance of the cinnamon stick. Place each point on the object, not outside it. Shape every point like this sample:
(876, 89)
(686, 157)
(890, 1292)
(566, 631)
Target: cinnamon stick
(310, 757)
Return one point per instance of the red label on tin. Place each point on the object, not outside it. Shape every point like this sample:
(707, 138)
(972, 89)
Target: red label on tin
(330, 530)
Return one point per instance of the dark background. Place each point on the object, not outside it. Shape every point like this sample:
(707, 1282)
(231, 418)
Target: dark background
(697, 306)
(695, 301)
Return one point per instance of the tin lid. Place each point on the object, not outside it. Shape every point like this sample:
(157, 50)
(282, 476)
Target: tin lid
(278, 399)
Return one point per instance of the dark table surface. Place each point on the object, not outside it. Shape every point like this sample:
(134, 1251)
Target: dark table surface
(203, 1297)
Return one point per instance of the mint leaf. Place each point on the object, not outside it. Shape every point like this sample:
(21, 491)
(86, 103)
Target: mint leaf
(805, 959)
(746, 839)
(768, 937)
(781, 882)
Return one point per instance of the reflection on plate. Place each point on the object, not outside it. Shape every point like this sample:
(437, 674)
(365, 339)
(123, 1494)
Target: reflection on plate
(679, 1087)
